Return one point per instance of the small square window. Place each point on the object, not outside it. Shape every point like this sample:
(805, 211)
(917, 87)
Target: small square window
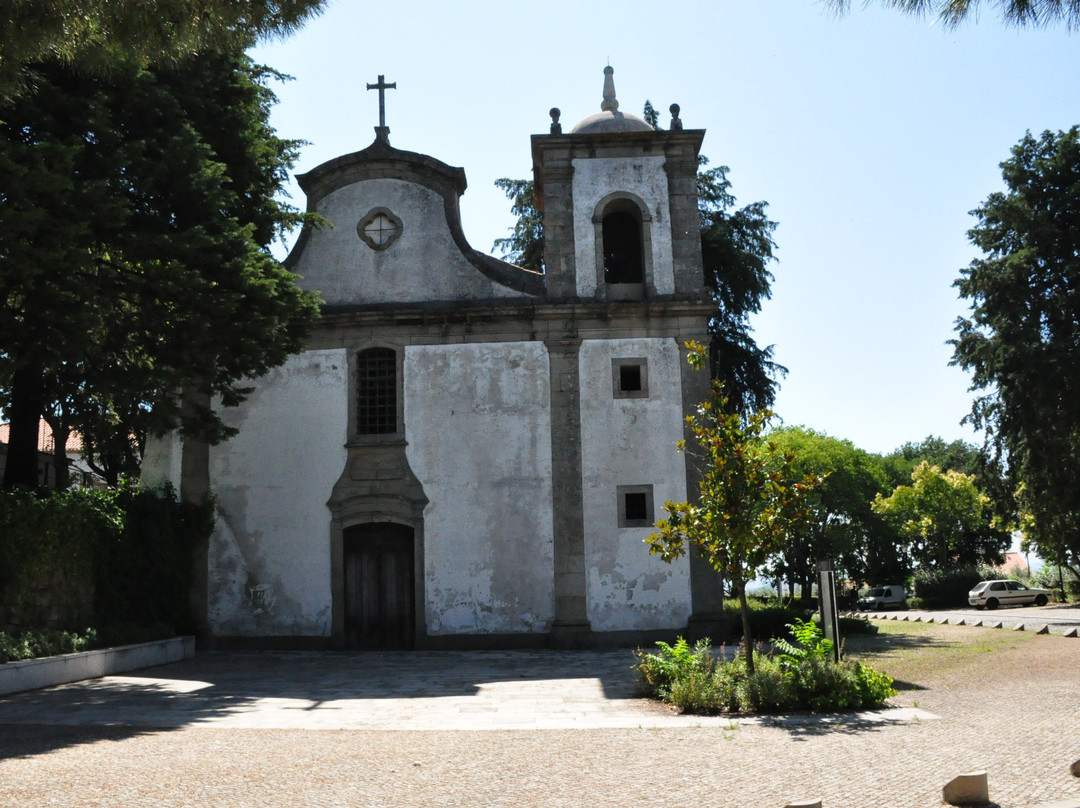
(637, 508)
(635, 505)
(630, 378)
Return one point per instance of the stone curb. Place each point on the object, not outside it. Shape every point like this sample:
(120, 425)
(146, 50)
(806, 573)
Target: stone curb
(1022, 625)
(33, 674)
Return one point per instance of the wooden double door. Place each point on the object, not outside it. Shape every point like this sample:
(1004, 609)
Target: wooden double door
(379, 586)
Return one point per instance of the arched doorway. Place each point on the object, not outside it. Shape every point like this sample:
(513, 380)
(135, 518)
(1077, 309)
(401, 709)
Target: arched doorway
(379, 586)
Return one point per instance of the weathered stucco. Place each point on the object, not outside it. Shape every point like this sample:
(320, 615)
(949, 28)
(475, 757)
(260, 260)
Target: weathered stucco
(162, 460)
(270, 552)
(337, 263)
(643, 177)
(478, 426)
(631, 441)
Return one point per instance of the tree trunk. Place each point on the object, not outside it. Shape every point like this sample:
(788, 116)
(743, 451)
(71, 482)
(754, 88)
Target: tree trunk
(27, 395)
(60, 434)
(747, 634)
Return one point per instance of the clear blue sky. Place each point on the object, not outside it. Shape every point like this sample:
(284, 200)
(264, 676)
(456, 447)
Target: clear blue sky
(871, 137)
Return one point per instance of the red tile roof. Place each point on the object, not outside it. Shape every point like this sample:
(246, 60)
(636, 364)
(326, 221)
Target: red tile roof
(45, 438)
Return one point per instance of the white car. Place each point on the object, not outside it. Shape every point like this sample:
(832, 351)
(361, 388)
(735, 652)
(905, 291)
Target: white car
(991, 594)
(883, 597)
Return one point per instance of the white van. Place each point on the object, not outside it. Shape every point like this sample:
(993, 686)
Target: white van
(883, 597)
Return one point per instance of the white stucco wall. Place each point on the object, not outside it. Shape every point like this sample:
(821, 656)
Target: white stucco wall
(162, 460)
(631, 441)
(423, 264)
(271, 483)
(477, 419)
(645, 178)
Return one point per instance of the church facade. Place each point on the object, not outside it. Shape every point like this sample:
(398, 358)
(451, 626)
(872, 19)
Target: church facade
(469, 453)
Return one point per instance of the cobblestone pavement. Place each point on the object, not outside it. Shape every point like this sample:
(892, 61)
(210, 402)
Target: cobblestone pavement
(522, 729)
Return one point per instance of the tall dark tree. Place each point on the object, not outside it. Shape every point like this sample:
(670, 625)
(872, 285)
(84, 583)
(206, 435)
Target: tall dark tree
(736, 250)
(1017, 13)
(525, 244)
(135, 215)
(101, 36)
(1022, 340)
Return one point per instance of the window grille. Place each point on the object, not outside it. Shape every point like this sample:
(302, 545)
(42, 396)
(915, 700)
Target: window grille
(376, 392)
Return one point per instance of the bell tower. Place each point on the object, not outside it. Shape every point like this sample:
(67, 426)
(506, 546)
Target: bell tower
(619, 200)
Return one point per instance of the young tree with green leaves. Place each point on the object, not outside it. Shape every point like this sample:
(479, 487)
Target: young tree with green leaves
(751, 497)
(135, 218)
(1022, 341)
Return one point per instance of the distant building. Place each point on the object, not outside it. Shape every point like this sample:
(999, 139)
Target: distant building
(80, 475)
(1014, 563)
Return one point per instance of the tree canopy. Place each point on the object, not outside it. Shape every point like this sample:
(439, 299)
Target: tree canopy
(943, 519)
(842, 526)
(135, 215)
(99, 35)
(1017, 13)
(736, 250)
(1022, 341)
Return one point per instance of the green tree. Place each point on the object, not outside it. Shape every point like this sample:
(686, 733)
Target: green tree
(1022, 340)
(1017, 13)
(98, 36)
(842, 524)
(943, 519)
(135, 216)
(736, 250)
(525, 244)
(751, 500)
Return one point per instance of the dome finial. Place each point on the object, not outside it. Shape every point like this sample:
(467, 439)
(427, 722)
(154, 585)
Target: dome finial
(610, 103)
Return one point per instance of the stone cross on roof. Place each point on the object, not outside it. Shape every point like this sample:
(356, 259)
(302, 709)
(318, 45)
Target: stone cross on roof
(382, 132)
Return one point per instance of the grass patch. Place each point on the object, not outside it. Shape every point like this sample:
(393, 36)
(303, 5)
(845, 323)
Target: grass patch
(923, 654)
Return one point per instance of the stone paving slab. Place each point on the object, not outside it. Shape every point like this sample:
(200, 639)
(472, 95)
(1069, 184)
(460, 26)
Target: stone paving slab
(416, 691)
(55, 750)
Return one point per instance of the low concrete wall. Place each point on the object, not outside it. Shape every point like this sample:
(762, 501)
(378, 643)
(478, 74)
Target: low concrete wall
(32, 674)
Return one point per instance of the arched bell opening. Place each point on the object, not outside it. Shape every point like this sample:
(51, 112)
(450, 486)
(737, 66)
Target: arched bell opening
(623, 247)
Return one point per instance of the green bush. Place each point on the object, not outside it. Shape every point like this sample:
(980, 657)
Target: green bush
(119, 560)
(33, 644)
(948, 588)
(800, 676)
(766, 619)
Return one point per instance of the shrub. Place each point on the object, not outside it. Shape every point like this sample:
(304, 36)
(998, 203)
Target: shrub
(766, 619)
(800, 676)
(110, 558)
(945, 588)
(32, 644)
(658, 672)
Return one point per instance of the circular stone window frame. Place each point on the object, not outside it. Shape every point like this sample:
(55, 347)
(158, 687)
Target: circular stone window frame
(371, 215)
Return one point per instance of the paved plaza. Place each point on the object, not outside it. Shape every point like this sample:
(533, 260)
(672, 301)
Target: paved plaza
(523, 728)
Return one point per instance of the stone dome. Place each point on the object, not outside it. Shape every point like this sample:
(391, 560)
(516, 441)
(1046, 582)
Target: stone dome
(609, 119)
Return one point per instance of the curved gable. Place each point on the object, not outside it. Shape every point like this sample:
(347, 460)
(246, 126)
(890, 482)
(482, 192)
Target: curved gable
(395, 236)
